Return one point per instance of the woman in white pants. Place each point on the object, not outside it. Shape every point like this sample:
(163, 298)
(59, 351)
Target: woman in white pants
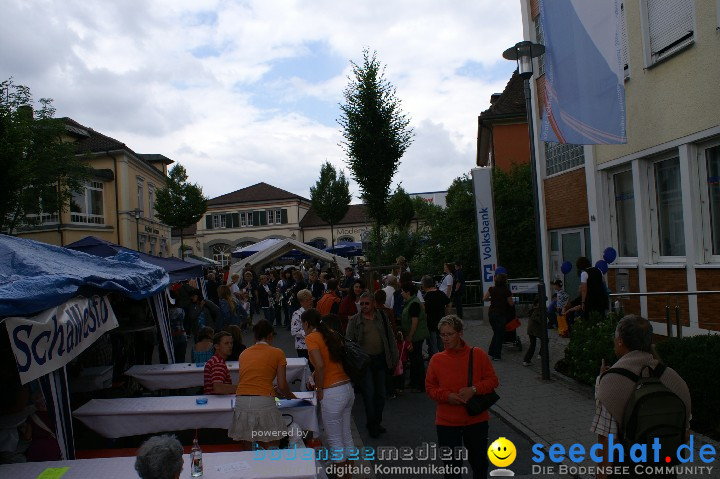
(334, 390)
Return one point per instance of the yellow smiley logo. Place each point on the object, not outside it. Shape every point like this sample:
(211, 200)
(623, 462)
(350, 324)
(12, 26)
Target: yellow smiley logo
(502, 452)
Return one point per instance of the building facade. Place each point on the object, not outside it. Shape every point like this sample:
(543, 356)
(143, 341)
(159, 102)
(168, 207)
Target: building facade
(118, 202)
(656, 199)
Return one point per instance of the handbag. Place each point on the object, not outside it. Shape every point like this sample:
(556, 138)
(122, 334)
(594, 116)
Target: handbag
(354, 359)
(478, 403)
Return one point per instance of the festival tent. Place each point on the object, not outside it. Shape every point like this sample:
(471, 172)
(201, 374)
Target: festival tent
(346, 249)
(178, 269)
(49, 292)
(201, 260)
(250, 250)
(281, 248)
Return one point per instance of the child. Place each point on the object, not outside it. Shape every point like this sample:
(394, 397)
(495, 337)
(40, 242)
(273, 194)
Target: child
(534, 329)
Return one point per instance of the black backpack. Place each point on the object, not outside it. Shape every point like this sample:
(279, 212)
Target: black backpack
(652, 411)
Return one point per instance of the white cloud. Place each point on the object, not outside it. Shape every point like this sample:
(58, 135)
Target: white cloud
(181, 78)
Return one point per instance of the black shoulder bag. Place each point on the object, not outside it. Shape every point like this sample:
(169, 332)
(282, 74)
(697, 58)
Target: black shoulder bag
(478, 403)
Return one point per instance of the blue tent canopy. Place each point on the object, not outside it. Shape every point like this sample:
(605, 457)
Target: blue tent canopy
(37, 276)
(346, 249)
(178, 269)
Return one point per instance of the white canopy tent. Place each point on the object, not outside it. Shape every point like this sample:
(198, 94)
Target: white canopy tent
(267, 255)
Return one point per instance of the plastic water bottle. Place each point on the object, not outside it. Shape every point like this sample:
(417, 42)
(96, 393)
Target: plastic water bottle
(196, 465)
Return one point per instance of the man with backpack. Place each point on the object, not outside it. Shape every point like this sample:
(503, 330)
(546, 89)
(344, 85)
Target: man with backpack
(638, 399)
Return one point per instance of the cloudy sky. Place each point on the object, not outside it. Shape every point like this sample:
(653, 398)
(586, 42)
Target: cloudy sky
(246, 91)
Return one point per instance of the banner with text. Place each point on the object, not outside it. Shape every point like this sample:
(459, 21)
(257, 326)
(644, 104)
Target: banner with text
(50, 340)
(482, 188)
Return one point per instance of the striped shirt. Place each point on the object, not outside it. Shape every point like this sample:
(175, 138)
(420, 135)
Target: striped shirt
(216, 371)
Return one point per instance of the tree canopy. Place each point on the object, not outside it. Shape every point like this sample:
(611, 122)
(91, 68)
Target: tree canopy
(180, 204)
(40, 170)
(376, 134)
(331, 197)
(401, 209)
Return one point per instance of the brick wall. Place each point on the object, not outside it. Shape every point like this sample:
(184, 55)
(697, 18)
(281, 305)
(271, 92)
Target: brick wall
(667, 280)
(566, 200)
(632, 304)
(709, 305)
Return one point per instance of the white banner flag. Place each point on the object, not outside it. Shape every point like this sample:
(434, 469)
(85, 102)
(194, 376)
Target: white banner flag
(482, 187)
(54, 337)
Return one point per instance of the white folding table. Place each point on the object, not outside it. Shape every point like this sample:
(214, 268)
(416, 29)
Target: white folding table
(123, 417)
(286, 463)
(187, 375)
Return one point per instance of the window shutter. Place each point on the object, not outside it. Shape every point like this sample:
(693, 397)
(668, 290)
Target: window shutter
(263, 217)
(256, 218)
(283, 216)
(624, 41)
(208, 222)
(235, 220)
(670, 22)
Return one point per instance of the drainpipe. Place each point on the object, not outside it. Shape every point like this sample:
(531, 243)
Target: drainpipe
(60, 208)
(117, 201)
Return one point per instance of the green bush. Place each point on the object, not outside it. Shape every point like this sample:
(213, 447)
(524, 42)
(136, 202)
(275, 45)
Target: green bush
(591, 341)
(695, 359)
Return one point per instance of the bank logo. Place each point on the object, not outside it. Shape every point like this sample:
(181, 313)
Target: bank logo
(502, 453)
(488, 273)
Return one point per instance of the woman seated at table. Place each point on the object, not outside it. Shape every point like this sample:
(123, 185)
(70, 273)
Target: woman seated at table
(203, 349)
(238, 346)
(334, 390)
(256, 416)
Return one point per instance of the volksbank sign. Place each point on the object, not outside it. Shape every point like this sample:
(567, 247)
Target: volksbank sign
(485, 214)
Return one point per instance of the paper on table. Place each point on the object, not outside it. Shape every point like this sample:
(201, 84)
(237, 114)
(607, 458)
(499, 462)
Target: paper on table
(53, 473)
(233, 467)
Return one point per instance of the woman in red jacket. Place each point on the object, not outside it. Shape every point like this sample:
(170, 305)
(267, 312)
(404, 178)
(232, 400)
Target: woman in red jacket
(446, 382)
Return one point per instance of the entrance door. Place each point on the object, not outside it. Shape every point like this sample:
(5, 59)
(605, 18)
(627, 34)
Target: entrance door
(572, 249)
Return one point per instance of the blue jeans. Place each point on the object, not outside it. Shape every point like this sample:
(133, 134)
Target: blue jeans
(497, 321)
(373, 389)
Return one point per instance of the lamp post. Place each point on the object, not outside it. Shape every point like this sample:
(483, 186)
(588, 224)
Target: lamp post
(138, 214)
(523, 53)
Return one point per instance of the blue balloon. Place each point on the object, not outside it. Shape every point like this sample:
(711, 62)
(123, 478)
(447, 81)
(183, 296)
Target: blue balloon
(609, 254)
(602, 266)
(566, 267)
(500, 270)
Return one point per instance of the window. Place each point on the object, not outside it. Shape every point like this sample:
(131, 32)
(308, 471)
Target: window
(141, 245)
(271, 217)
(219, 221)
(42, 212)
(560, 157)
(221, 253)
(153, 244)
(87, 206)
(151, 201)
(249, 217)
(669, 214)
(140, 183)
(712, 163)
(669, 27)
(624, 210)
(346, 239)
(276, 216)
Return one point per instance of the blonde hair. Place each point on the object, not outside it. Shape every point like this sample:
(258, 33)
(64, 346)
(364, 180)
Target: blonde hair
(225, 293)
(453, 321)
(304, 294)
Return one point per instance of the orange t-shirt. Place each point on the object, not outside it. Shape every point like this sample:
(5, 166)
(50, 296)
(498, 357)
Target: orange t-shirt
(258, 367)
(334, 372)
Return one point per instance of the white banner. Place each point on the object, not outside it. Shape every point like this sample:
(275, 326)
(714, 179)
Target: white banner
(54, 337)
(482, 187)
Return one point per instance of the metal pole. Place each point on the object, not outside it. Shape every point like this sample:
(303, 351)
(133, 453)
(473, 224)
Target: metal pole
(544, 349)
(137, 233)
(668, 322)
(678, 324)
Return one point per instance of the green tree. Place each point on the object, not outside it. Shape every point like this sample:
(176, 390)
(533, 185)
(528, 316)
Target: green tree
(40, 170)
(331, 197)
(448, 234)
(401, 209)
(180, 204)
(376, 134)
(515, 220)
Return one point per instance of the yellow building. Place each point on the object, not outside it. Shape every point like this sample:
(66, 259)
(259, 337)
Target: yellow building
(117, 204)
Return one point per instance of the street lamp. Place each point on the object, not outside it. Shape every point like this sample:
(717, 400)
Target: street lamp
(293, 236)
(138, 215)
(523, 53)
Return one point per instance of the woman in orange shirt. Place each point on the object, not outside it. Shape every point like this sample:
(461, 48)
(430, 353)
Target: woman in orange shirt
(447, 383)
(256, 418)
(333, 387)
